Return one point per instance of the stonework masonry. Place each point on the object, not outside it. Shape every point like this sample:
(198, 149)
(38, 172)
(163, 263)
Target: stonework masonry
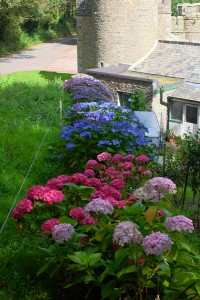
(116, 31)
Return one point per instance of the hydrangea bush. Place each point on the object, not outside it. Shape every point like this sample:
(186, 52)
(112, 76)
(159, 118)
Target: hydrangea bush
(83, 88)
(99, 231)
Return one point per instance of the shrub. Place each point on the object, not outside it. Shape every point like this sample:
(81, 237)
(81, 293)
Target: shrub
(105, 237)
(86, 88)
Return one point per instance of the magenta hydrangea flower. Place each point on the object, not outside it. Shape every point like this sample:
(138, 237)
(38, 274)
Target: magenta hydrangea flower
(129, 157)
(62, 232)
(48, 225)
(126, 232)
(97, 194)
(117, 158)
(37, 192)
(128, 165)
(89, 220)
(122, 203)
(58, 182)
(77, 213)
(91, 164)
(53, 196)
(94, 182)
(112, 201)
(89, 173)
(142, 158)
(25, 205)
(99, 206)
(147, 173)
(118, 184)
(156, 243)
(17, 213)
(111, 172)
(78, 178)
(104, 156)
(179, 223)
(110, 191)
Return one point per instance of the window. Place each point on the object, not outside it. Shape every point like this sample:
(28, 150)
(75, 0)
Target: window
(191, 114)
(124, 99)
(176, 111)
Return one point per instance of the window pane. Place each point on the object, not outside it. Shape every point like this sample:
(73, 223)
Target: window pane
(176, 110)
(123, 99)
(191, 114)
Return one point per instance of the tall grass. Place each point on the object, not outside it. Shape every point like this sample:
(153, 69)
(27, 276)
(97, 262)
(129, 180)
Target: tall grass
(29, 111)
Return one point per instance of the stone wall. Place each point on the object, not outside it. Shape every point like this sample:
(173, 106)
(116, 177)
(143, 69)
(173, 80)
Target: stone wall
(115, 31)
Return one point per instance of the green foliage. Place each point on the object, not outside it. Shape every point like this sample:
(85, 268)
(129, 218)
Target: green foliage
(138, 100)
(175, 2)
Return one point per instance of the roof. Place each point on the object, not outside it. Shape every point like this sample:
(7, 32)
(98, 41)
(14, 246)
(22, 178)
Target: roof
(188, 91)
(172, 58)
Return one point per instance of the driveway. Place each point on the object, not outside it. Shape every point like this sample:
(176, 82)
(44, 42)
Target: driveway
(57, 56)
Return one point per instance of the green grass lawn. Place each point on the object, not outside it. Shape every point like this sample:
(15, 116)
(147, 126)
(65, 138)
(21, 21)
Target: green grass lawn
(29, 111)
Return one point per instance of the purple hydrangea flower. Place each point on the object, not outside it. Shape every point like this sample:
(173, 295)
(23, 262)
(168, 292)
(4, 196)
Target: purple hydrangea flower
(179, 223)
(125, 233)
(99, 206)
(156, 243)
(62, 232)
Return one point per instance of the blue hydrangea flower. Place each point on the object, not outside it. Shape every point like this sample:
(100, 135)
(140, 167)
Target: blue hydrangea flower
(103, 143)
(70, 146)
(85, 134)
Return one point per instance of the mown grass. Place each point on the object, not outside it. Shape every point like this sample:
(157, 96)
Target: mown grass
(29, 111)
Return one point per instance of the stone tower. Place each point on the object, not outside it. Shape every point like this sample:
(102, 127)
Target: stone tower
(164, 19)
(117, 31)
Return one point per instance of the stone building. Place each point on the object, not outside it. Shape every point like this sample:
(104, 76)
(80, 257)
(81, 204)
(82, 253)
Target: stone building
(129, 44)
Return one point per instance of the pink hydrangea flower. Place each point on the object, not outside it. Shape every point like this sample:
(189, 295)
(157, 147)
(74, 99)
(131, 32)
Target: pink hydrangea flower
(97, 194)
(112, 200)
(17, 213)
(91, 164)
(37, 192)
(179, 223)
(117, 158)
(62, 232)
(126, 232)
(111, 172)
(156, 243)
(160, 213)
(99, 206)
(48, 225)
(122, 203)
(94, 182)
(53, 196)
(58, 182)
(131, 197)
(89, 173)
(89, 220)
(142, 158)
(118, 184)
(25, 205)
(78, 178)
(140, 168)
(128, 165)
(129, 157)
(104, 156)
(110, 191)
(147, 173)
(77, 213)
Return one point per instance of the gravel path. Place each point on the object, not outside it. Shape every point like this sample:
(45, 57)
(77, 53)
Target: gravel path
(57, 56)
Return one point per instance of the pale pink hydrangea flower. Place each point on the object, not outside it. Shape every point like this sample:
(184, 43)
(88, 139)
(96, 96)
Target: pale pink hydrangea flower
(156, 243)
(77, 213)
(141, 194)
(91, 164)
(126, 232)
(99, 206)
(104, 156)
(37, 192)
(53, 196)
(142, 158)
(118, 184)
(162, 186)
(89, 220)
(89, 173)
(62, 232)
(48, 225)
(179, 223)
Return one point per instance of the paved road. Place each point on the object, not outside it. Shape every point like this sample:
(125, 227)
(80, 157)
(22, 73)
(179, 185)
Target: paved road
(57, 56)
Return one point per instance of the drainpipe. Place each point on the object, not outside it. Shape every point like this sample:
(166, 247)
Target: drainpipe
(161, 97)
